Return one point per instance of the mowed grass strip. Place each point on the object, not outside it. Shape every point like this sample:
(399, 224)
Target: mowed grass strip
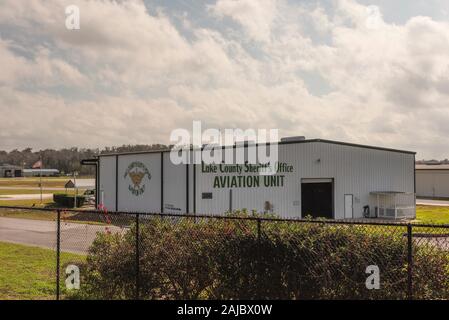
(51, 215)
(424, 214)
(34, 182)
(28, 214)
(26, 203)
(7, 192)
(432, 214)
(50, 182)
(30, 272)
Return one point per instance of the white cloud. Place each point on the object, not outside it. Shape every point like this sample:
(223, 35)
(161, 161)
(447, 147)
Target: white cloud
(255, 16)
(41, 69)
(130, 76)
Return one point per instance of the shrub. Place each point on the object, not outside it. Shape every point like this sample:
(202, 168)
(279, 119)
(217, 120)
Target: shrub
(68, 201)
(226, 259)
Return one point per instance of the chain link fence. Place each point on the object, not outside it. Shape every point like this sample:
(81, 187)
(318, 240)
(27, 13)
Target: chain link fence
(101, 255)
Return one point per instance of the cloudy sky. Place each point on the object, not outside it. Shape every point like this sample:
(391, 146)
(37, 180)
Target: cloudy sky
(365, 71)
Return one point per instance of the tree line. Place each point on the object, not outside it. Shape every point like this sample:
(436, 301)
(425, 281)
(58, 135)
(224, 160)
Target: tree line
(67, 160)
(433, 161)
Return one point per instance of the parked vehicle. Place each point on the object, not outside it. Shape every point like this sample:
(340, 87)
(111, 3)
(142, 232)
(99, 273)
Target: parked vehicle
(89, 194)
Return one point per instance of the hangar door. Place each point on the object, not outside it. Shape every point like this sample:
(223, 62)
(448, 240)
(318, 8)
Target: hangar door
(317, 198)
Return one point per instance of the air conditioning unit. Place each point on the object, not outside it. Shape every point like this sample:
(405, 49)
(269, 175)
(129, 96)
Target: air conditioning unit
(293, 139)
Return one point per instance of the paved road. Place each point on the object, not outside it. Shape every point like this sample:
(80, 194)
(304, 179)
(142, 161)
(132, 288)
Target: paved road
(428, 202)
(75, 237)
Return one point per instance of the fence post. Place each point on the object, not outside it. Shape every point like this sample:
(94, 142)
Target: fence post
(137, 258)
(409, 262)
(58, 250)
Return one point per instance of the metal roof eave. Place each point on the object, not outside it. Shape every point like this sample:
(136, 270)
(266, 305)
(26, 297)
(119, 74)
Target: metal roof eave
(355, 145)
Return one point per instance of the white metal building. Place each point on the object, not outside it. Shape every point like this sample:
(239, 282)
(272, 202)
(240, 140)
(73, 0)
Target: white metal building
(10, 171)
(432, 181)
(321, 178)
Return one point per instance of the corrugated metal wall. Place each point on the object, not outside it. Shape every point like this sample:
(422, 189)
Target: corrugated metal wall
(106, 194)
(175, 179)
(432, 183)
(354, 170)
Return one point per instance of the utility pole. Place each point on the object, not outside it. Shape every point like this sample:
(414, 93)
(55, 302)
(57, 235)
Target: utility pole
(40, 175)
(76, 189)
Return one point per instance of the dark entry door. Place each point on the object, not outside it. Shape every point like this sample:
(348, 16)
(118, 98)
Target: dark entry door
(317, 199)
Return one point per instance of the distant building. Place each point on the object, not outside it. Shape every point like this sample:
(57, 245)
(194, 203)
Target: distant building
(37, 172)
(432, 180)
(10, 171)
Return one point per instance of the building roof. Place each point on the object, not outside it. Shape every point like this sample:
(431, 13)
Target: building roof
(279, 143)
(80, 183)
(432, 167)
(6, 165)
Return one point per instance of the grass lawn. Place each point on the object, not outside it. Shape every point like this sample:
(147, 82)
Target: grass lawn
(37, 191)
(54, 182)
(34, 182)
(26, 203)
(51, 215)
(12, 186)
(28, 214)
(30, 272)
(432, 214)
(22, 191)
(45, 215)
